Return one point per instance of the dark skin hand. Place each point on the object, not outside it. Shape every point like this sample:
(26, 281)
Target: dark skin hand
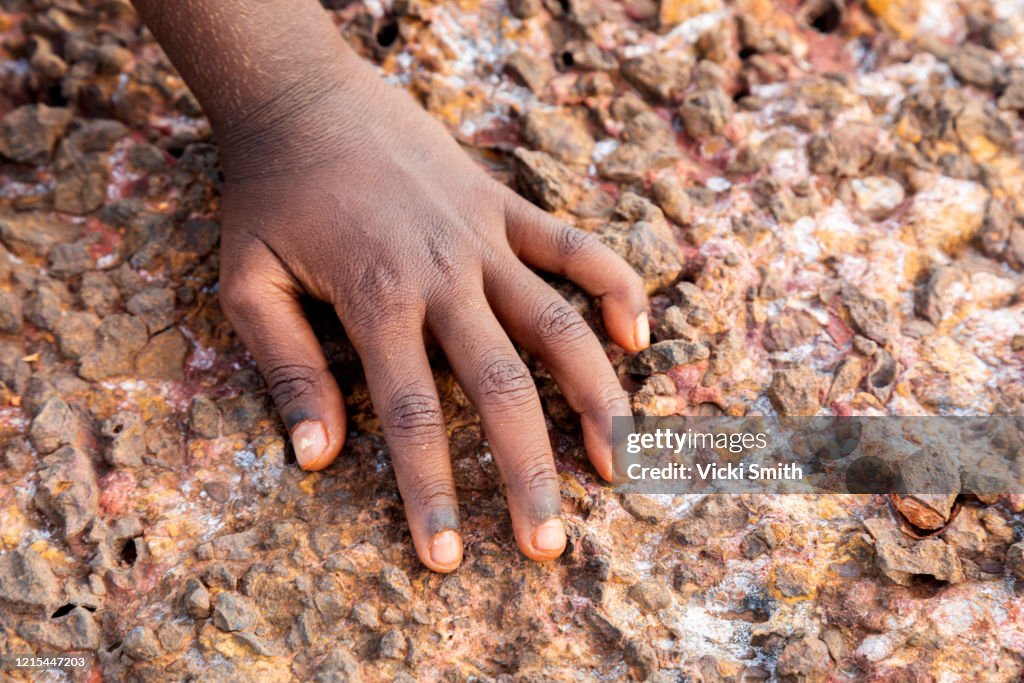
(341, 187)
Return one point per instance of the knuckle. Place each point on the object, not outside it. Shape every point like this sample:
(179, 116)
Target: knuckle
(237, 299)
(506, 380)
(290, 382)
(432, 491)
(537, 472)
(558, 321)
(443, 259)
(610, 398)
(378, 295)
(572, 242)
(414, 415)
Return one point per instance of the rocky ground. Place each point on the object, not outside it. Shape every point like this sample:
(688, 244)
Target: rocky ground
(824, 200)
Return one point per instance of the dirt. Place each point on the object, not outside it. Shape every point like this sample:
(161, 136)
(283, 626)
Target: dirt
(824, 201)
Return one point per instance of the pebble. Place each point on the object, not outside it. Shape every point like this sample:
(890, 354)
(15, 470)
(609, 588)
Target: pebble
(127, 439)
(141, 644)
(196, 599)
(393, 645)
(804, 660)
(27, 583)
(663, 356)
(29, 133)
(395, 584)
(705, 113)
(53, 426)
(68, 492)
(796, 391)
(234, 612)
(10, 313)
(563, 136)
(877, 196)
(154, 306)
(651, 595)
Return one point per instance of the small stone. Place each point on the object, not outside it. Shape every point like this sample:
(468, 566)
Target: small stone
(663, 356)
(644, 507)
(98, 293)
(155, 306)
(1015, 560)
(53, 426)
(393, 645)
(395, 584)
(648, 246)
(927, 486)
(339, 666)
(670, 196)
(947, 214)
(524, 9)
(76, 334)
(234, 612)
(163, 357)
(648, 144)
(127, 434)
(531, 70)
(651, 595)
(976, 65)
(365, 614)
(196, 599)
(121, 337)
(237, 546)
(870, 316)
(82, 189)
(68, 493)
(68, 260)
(173, 635)
(804, 660)
(10, 313)
(563, 137)
(32, 235)
(877, 196)
(141, 644)
(900, 557)
(660, 76)
(705, 113)
(794, 580)
(242, 413)
(204, 417)
(29, 133)
(554, 186)
(76, 630)
(792, 328)
(796, 391)
(27, 583)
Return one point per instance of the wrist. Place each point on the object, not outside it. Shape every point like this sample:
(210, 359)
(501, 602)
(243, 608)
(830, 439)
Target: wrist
(282, 126)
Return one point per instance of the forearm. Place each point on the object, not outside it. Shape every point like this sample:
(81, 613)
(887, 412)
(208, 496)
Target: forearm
(251, 63)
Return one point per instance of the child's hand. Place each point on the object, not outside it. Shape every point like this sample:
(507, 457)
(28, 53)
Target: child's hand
(363, 200)
(340, 186)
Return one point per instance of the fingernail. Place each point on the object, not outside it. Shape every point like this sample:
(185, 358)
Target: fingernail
(549, 537)
(642, 331)
(310, 441)
(446, 548)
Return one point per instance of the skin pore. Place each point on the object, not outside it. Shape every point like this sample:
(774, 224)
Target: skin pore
(341, 187)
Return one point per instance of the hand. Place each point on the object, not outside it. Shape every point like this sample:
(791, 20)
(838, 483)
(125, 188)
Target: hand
(359, 198)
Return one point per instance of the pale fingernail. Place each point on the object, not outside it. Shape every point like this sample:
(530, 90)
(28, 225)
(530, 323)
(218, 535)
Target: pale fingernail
(446, 548)
(642, 331)
(309, 439)
(549, 537)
